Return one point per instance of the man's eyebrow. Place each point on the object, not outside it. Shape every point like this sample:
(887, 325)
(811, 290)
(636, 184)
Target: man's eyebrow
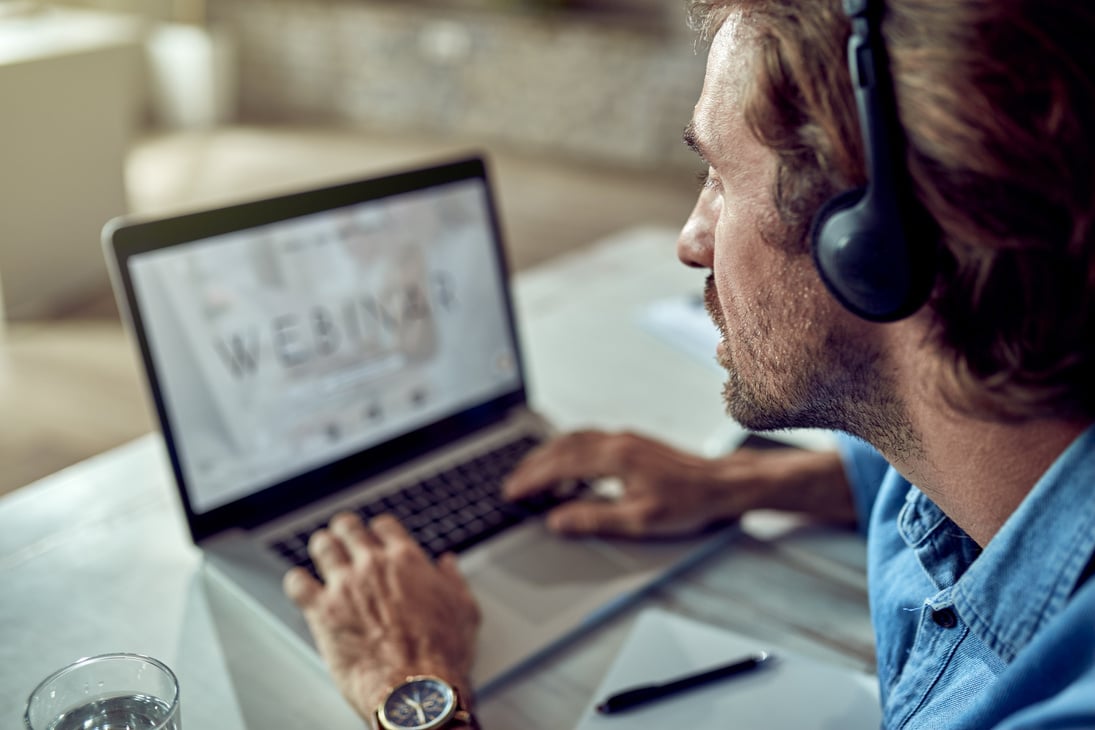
(692, 140)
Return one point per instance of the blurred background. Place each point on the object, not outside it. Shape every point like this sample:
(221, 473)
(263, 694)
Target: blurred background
(157, 106)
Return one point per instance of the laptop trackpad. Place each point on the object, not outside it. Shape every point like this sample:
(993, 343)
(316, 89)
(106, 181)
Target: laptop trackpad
(536, 573)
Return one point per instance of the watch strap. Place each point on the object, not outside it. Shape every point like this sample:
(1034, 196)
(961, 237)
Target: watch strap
(462, 719)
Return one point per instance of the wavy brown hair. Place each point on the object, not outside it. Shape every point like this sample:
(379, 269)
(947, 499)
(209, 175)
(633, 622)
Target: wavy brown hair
(997, 99)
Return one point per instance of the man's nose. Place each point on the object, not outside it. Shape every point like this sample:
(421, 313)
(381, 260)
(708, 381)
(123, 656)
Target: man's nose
(696, 242)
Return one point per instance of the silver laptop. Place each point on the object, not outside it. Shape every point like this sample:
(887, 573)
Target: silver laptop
(354, 348)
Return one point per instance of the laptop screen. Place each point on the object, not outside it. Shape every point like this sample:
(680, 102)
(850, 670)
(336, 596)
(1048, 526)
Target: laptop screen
(286, 346)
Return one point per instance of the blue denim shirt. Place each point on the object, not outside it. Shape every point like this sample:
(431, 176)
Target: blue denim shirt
(965, 638)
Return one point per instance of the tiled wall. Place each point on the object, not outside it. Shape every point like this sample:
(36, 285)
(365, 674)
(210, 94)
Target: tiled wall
(556, 84)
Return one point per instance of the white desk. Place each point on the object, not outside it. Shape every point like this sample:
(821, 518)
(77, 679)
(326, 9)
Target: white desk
(96, 558)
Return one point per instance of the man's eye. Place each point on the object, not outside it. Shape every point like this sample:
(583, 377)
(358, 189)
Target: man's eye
(708, 180)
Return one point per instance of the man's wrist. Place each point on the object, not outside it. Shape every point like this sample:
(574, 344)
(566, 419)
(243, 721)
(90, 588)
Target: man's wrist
(373, 690)
(463, 716)
(808, 482)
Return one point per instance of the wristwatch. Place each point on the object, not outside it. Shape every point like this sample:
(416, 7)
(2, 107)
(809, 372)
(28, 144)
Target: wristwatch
(424, 702)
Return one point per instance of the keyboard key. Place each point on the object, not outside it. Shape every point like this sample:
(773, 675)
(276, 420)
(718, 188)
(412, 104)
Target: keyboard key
(451, 510)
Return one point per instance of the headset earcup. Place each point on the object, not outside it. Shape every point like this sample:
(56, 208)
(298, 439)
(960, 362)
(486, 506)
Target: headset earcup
(875, 247)
(865, 259)
(821, 240)
(842, 201)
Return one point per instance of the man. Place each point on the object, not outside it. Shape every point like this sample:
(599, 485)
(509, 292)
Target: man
(983, 397)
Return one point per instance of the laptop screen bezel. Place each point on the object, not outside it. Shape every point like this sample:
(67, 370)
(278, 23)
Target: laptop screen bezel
(124, 238)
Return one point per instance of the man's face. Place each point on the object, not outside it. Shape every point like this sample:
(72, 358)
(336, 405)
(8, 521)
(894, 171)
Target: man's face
(794, 358)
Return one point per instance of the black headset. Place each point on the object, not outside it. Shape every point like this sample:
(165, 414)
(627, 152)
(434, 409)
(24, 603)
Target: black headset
(875, 246)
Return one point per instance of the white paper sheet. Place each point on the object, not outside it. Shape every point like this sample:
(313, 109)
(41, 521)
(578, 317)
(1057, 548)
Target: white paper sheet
(793, 693)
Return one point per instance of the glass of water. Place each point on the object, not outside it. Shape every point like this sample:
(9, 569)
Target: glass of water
(107, 692)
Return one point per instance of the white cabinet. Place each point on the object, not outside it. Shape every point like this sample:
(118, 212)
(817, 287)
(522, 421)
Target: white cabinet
(71, 85)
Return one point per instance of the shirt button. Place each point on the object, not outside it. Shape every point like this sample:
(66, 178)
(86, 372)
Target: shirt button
(945, 617)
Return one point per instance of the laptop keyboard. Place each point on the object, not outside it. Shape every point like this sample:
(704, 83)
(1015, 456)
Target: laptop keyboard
(449, 511)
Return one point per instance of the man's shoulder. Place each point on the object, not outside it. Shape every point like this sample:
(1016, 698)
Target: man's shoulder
(1057, 670)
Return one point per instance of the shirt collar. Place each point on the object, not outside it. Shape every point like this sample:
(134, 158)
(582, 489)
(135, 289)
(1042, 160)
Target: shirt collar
(1028, 571)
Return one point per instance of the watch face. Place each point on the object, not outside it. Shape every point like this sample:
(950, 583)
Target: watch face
(419, 704)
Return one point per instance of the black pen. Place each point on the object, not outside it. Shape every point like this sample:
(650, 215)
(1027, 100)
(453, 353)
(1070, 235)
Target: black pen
(648, 693)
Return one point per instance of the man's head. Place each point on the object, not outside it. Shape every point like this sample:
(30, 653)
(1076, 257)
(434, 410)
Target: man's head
(794, 357)
(997, 102)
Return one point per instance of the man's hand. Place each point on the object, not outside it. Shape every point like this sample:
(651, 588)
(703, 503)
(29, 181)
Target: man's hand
(384, 611)
(667, 492)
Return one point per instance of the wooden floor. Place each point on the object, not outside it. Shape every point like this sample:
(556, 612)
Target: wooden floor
(69, 385)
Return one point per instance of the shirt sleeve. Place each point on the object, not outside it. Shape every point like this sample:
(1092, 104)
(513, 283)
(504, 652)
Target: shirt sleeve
(865, 469)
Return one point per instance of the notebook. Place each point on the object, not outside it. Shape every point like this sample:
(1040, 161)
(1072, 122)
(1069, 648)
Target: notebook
(354, 347)
(790, 692)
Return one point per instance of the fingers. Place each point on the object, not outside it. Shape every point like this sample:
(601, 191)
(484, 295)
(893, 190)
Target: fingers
(360, 541)
(357, 539)
(389, 531)
(351, 529)
(301, 587)
(623, 519)
(448, 566)
(576, 455)
(327, 551)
